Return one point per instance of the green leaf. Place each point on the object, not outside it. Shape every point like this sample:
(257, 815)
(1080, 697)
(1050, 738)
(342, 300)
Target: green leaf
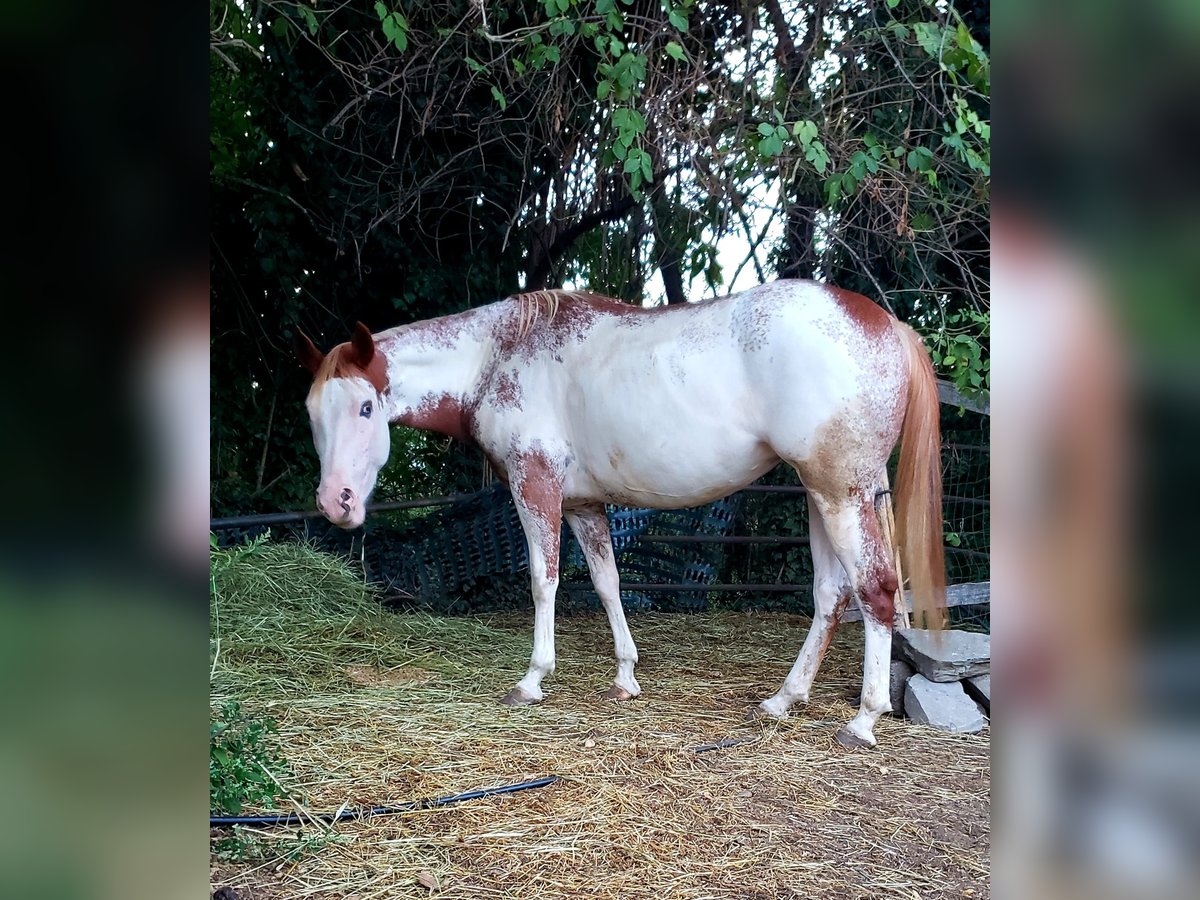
(921, 222)
(603, 89)
(381, 11)
(474, 65)
(770, 146)
(395, 29)
(816, 154)
(678, 18)
(675, 51)
(805, 131)
(499, 98)
(309, 18)
(629, 120)
(929, 36)
(766, 130)
(920, 159)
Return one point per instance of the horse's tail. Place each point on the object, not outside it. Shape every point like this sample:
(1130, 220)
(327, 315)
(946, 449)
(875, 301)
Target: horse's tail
(919, 486)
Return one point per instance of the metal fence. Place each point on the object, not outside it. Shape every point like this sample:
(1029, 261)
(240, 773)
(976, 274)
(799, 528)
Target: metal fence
(465, 553)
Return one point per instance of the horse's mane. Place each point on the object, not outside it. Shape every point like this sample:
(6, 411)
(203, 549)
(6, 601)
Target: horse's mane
(534, 305)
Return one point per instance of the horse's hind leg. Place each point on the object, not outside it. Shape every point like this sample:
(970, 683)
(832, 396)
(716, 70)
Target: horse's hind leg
(853, 532)
(591, 529)
(831, 595)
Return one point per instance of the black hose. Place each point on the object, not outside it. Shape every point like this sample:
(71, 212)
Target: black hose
(428, 803)
(721, 745)
(367, 812)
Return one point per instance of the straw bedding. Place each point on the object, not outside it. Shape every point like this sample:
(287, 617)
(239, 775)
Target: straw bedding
(376, 707)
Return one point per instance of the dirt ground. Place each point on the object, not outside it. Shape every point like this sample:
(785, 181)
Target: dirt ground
(636, 812)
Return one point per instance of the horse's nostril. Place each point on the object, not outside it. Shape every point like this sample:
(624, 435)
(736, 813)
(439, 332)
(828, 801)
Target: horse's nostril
(346, 495)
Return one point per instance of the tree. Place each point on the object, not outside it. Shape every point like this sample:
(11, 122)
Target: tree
(386, 162)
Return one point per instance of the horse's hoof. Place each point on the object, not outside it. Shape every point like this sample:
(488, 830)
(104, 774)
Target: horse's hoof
(517, 697)
(848, 738)
(760, 712)
(616, 692)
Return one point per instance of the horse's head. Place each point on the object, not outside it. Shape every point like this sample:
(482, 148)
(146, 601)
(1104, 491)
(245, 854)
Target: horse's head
(349, 419)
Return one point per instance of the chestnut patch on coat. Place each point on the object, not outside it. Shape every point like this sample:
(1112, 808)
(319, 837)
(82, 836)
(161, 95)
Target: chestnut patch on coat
(441, 413)
(870, 316)
(545, 321)
(342, 362)
(839, 608)
(506, 390)
(537, 482)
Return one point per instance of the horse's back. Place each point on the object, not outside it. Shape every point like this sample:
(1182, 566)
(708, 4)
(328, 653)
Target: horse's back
(696, 401)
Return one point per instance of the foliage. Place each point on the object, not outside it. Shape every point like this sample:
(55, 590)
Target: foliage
(389, 161)
(244, 763)
(959, 349)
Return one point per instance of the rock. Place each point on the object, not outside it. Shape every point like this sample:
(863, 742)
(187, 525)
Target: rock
(980, 689)
(901, 672)
(947, 655)
(944, 705)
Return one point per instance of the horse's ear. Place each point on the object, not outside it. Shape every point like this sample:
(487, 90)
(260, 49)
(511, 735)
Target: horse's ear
(363, 345)
(308, 354)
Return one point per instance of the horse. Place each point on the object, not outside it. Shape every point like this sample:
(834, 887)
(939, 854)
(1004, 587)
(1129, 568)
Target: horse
(578, 400)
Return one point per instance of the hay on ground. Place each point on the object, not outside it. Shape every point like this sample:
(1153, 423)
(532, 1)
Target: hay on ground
(376, 708)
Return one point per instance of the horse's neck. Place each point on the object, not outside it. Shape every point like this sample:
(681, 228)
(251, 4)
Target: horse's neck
(438, 357)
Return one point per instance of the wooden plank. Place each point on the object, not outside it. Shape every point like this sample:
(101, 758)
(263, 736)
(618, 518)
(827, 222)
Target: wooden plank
(978, 593)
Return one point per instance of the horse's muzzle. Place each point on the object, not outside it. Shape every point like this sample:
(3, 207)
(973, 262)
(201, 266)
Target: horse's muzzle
(341, 506)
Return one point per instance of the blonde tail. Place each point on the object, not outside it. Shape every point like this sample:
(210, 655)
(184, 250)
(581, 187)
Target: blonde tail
(919, 487)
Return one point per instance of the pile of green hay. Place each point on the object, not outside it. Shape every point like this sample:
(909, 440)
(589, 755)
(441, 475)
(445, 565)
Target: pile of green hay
(288, 621)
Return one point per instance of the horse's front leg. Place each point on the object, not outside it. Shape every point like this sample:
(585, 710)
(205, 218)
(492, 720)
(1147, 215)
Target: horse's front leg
(539, 505)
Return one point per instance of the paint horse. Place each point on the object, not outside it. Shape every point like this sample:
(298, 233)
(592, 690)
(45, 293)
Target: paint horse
(580, 400)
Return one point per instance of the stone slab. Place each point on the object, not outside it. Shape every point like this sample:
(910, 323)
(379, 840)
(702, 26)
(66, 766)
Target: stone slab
(979, 689)
(942, 705)
(901, 672)
(945, 656)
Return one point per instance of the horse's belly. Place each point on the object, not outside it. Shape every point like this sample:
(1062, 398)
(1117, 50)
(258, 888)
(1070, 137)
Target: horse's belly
(669, 471)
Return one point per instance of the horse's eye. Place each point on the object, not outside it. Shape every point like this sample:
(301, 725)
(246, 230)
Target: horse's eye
(365, 411)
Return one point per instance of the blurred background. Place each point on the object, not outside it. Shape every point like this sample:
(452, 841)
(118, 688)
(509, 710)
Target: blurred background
(107, 260)
(1093, 233)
